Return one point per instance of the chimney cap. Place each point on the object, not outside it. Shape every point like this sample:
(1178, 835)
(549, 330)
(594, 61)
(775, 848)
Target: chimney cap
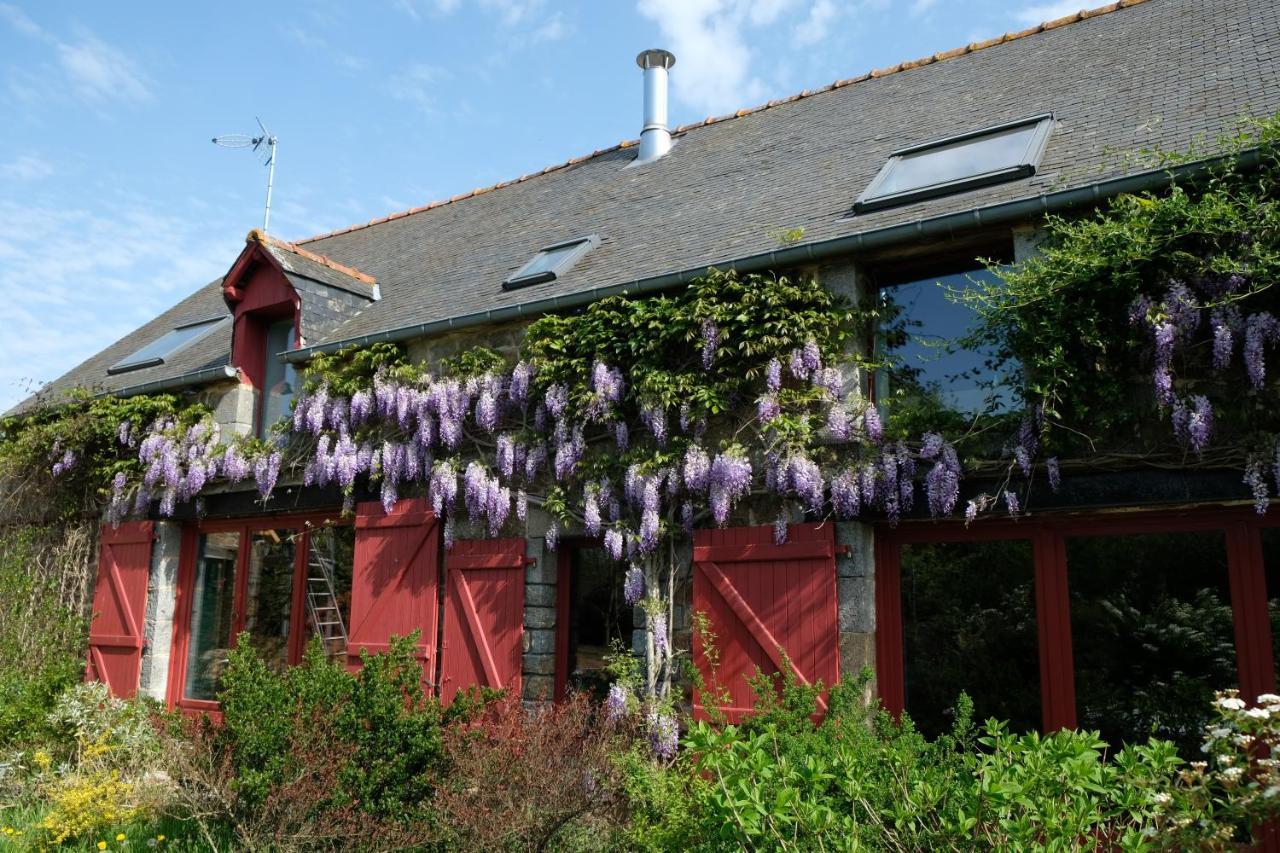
(655, 58)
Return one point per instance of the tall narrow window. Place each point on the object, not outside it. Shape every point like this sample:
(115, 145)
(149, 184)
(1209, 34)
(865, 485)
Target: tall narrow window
(599, 619)
(269, 600)
(330, 559)
(279, 378)
(212, 614)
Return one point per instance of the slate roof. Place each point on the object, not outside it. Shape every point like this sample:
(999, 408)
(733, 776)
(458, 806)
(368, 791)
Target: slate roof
(1130, 76)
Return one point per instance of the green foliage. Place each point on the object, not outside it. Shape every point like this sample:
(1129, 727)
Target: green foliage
(88, 428)
(353, 368)
(1064, 315)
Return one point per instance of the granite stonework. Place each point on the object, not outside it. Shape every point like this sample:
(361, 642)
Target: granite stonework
(162, 586)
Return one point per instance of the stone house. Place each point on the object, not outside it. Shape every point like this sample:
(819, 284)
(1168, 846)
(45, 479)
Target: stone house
(887, 182)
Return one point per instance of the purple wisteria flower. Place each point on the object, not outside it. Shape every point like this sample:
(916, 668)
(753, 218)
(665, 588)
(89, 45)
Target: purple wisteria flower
(710, 340)
(846, 495)
(522, 505)
(591, 512)
(1011, 502)
(449, 533)
(798, 369)
(654, 417)
(697, 468)
(613, 543)
(518, 390)
(361, 407)
(1199, 423)
(970, 512)
(838, 422)
(1260, 329)
(730, 480)
(773, 376)
(831, 380)
(621, 436)
(1224, 322)
(504, 453)
(871, 424)
(661, 637)
(557, 400)
(649, 520)
(811, 357)
(767, 408)
(664, 736)
(1255, 477)
(487, 411)
(1054, 472)
(124, 433)
(65, 463)
(553, 535)
(780, 528)
(615, 704)
(442, 489)
(265, 471)
(633, 586)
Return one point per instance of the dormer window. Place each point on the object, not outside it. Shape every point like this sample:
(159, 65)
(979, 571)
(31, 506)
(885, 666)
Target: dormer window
(551, 262)
(166, 346)
(989, 156)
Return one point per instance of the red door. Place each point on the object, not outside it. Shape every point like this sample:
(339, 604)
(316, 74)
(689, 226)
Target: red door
(483, 616)
(395, 579)
(762, 599)
(119, 607)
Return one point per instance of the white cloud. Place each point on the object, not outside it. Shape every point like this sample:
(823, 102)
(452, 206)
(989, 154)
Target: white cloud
(920, 7)
(100, 72)
(101, 272)
(416, 84)
(95, 70)
(814, 28)
(27, 167)
(717, 71)
(1042, 12)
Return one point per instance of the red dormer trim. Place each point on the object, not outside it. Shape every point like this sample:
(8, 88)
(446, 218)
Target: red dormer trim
(257, 292)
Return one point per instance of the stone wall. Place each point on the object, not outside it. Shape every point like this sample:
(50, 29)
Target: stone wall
(162, 587)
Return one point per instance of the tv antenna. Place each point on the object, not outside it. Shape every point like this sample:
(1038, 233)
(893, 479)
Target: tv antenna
(257, 143)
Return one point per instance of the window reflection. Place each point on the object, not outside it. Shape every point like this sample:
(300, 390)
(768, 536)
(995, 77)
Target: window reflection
(969, 624)
(921, 338)
(1151, 630)
(212, 614)
(280, 378)
(269, 595)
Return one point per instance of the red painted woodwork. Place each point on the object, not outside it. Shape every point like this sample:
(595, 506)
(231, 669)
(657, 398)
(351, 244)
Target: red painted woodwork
(119, 607)
(395, 583)
(483, 616)
(1053, 625)
(762, 599)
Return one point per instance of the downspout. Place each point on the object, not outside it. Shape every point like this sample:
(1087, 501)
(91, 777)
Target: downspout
(944, 225)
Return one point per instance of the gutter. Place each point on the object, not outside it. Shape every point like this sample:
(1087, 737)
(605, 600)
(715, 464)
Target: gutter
(182, 380)
(944, 225)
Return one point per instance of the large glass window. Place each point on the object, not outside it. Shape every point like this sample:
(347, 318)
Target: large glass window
(1271, 566)
(212, 613)
(280, 378)
(296, 586)
(969, 624)
(1151, 629)
(921, 340)
(599, 618)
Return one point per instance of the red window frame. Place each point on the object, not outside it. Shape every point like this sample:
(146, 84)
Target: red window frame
(1242, 529)
(303, 523)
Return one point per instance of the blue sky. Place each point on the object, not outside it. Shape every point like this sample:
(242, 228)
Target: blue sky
(114, 204)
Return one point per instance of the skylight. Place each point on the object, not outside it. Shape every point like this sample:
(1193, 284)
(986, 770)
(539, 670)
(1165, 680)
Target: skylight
(551, 262)
(993, 155)
(166, 346)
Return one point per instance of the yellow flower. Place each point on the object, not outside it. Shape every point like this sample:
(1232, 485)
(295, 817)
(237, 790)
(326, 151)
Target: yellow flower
(42, 758)
(159, 838)
(120, 837)
(102, 845)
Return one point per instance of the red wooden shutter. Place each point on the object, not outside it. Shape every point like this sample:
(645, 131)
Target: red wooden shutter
(120, 607)
(395, 580)
(483, 616)
(760, 597)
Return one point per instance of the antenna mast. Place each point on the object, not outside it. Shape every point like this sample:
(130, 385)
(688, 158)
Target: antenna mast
(267, 139)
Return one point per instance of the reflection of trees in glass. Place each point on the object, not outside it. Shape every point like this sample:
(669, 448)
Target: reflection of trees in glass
(269, 601)
(328, 585)
(1151, 626)
(969, 624)
(1271, 566)
(212, 603)
(932, 361)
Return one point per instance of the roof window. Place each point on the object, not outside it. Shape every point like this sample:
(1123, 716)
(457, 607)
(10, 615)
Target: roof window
(551, 262)
(990, 156)
(166, 346)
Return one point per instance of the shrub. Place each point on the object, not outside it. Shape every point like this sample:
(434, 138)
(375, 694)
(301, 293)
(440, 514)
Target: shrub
(533, 779)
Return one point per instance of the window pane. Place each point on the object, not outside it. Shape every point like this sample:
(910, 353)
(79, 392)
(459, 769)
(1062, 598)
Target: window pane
(969, 624)
(969, 158)
(599, 618)
(1151, 628)
(212, 603)
(165, 346)
(328, 591)
(279, 378)
(269, 601)
(1271, 565)
(921, 337)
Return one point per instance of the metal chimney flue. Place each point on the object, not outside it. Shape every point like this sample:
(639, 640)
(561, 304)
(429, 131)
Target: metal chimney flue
(655, 136)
